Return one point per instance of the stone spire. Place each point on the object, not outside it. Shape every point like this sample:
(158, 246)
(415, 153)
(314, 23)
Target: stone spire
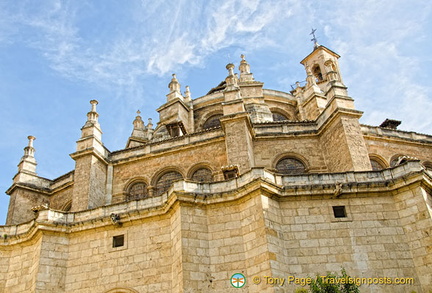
(27, 164)
(150, 129)
(244, 67)
(28, 161)
(231, 80)
(174, 87)
(91, 177)
(139, 129)
(92, 116)
(140, 133)
(150, 124)
(91, 133)
(187, 93)
(230, 68)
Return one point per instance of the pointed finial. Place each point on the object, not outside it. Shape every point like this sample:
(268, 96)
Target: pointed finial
(174, 85)
(150, 124)
(31, 139)
(244, 67)
(93, 103)
(314, 39)
(138, 123)
(28, 161)
(91, 133)
(92, 116)
(187, 94)
(230, 68)
(29, 149)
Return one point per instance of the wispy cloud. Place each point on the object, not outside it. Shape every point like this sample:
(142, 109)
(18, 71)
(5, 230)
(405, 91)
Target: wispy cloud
(158, 38)
(382, 66)
(126, 50)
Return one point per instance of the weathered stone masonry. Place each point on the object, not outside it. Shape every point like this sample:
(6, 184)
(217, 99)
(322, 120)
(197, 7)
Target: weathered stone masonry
(242, 180)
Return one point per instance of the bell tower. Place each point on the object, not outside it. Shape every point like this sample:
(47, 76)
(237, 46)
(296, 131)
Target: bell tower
(322, 68)
(325, 99)
(323, 82)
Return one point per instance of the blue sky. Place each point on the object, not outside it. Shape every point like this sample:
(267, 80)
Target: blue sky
(55, 56)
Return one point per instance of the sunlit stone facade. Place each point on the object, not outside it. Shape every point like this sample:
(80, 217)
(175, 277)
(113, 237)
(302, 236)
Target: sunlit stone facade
(242, 180)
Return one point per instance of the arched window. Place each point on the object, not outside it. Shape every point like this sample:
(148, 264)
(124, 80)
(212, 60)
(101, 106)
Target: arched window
(290, 166)
(121, 290)
(279, 117)
(137, 191)
(67, 206)
(376, 165)
(316, 71)
(202, 175)
(212, 122)
(165, 181)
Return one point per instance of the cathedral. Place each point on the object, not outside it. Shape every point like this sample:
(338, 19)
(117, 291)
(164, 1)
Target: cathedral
(245, 189)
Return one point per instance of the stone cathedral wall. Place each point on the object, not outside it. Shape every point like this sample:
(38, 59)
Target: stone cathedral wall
(248, 225)
(290, 185)
(389, 144)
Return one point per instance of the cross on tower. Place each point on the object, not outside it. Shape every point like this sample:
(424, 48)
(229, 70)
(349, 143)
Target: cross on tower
(314, 39)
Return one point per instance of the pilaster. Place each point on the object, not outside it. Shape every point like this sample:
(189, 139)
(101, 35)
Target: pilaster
(252, 95)
(237, 125)
(342, 140)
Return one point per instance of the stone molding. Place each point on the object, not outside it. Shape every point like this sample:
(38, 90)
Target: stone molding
(258, 179)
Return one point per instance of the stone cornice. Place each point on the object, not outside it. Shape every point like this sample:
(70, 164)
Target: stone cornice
(38, 189)
(90, 151)
(257, 181)
(29, 187)
(170, 103)
(176, 144)
(325, 119)
(238, 117)
(376, 132)
(321, 47)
